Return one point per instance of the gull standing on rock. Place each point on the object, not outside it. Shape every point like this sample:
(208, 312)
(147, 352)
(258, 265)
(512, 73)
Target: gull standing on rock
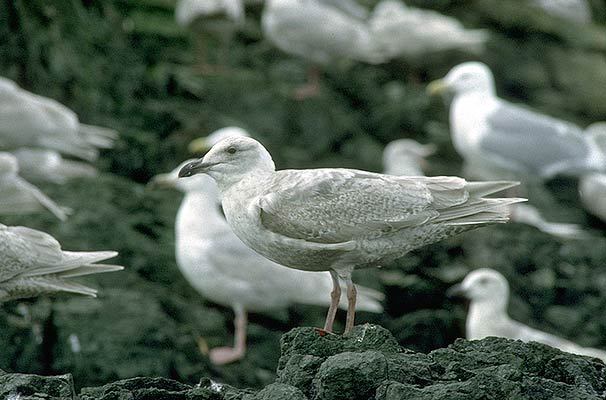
(226, 271)
(488, 292)
(29, 120)
(402, 31)
(32, 263)
(404, 157)
(17, 196)
(322, 32)
(337, 220)
(499, 139)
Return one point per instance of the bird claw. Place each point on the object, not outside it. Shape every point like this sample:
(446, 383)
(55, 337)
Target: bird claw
(323, 332)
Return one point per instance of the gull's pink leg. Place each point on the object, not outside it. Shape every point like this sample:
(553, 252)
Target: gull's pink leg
(226, 355)
(312, 87)
(335, 297)
(352, 294)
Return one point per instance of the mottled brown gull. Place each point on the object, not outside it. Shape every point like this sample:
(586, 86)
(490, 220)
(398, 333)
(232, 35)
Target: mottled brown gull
(340, 219)
(32, 263)
(226, 271)
(488, 291)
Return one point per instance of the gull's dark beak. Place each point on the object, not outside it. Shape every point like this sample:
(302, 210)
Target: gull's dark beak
(194, 167)
(456, 291)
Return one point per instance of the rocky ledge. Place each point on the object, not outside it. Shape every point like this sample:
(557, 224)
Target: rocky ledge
(368, 364)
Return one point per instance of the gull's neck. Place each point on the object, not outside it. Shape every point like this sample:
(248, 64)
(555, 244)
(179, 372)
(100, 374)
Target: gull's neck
(484, 315)
(200, 215)
(405, 166)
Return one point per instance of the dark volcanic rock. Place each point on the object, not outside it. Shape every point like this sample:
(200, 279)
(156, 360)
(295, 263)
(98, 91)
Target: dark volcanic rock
(335, 367)
(368, 364)
(34, 387)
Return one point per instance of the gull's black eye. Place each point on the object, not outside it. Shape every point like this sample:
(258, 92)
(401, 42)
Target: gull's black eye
(231, 150)
(484, 281)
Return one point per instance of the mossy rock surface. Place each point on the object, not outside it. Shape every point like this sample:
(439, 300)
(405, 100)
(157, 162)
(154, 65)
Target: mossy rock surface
(367, 364)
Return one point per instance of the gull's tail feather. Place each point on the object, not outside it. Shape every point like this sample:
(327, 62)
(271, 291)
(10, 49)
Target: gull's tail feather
(73, 261)
(26, 287)
(90, 269)
(369, 300)
(75, 147)
(481, 189)
(97, 136)
(474, 40)
(479, 211)
(74, 169)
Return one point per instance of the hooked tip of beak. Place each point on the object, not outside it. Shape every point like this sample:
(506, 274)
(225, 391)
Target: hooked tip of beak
(436, 87)
(199, 146)
(456, 291)
(194, 167)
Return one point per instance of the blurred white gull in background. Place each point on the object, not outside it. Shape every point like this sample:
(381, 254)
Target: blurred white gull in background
(592, 187)
(17, 196)
(48, 166)
(406, 157)
(488, 292)
(501, 140)
(186, 11)
(32, 263)
(578, 11)
(337, 219)
(29, 120)
(322, 32)
(402, 31)
(226, 271)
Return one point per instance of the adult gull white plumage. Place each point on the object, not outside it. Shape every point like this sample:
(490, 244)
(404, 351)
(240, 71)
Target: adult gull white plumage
(340, 219)
(226, 271)
(319, 31)
(499, 139)
(403, 31)
(18, 196)
(32, 263)
(49, 166)
(29, 120)
(488, 292)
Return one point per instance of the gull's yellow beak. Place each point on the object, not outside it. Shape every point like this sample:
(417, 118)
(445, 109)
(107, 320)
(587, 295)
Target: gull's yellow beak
(436, 87)
(199, 146)
(161, 181)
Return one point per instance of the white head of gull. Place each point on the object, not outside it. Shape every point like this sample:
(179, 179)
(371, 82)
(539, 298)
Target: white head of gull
(337, 220)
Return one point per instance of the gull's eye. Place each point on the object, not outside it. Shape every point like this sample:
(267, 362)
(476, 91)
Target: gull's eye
(483, 281)
(231, 150)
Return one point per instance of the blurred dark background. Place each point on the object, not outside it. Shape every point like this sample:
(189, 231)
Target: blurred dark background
(125, 64)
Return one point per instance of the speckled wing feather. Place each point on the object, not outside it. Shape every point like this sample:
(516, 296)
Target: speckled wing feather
(28, 252)
(338, 205)
(531, 142)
